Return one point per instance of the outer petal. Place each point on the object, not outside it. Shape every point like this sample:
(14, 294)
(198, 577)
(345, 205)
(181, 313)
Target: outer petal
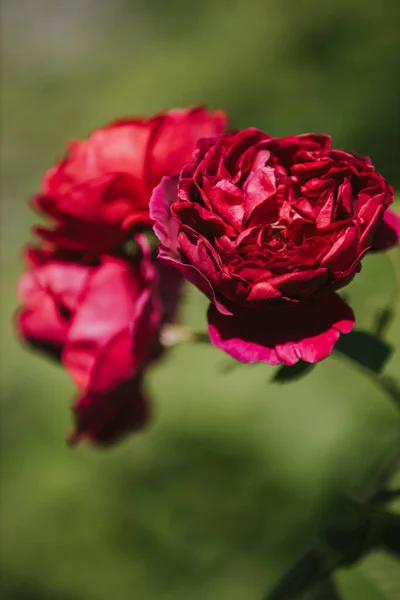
(63, 282)
(388, 233)
(175, 139)
(315, 139)
(45, 329)
(121, 146)
(166, 228)
(49, 293)
(94, 214)
(114, 328)
(170, 290)
(307, 330)
(105, 418)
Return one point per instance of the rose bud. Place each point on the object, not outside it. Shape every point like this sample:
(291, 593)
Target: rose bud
(269, 229)
(102, 321)
(100, 191)
(105, 418)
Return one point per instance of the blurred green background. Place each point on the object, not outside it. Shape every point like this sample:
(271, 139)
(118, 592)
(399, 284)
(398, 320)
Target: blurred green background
(235, 478)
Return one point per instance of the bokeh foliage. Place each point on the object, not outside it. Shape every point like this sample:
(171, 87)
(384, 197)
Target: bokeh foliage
(237, 477)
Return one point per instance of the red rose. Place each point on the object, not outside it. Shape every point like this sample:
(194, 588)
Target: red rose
(101, 190)
(102, 321)
(269, 229)
(105, 418)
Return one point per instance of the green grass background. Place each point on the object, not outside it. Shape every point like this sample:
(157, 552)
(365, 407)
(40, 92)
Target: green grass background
(235, 478)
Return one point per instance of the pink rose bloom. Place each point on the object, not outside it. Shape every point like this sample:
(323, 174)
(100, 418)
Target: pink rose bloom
(102, 322)
(101, 189)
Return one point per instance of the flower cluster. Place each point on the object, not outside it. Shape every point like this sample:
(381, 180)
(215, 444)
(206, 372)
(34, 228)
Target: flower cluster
(269, 229)
(88, 298)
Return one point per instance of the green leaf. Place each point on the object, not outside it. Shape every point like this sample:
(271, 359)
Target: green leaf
(286, 374)
(326, 591)
(376, 578)
(366, 349)
(383, 571)
(309, 571)
(352, 585)
(391, 386)
(390, 534)
(383, 320)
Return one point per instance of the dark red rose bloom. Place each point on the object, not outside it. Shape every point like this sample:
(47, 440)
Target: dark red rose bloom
(102, 321)
(101, 190)
(269, 229)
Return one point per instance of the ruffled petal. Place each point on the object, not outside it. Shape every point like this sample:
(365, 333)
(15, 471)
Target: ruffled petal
(175, 139)
(388, 233)
(95, 214)
(104, 418)
(112, 332)
(166, 228)
(307, 330)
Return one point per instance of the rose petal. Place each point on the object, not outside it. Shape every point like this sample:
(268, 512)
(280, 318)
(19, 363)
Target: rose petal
(166, 228)
(201, 220)
(175, 139)
(170, 290)
(343, 252)
(44, 330)
(226, 200)
(94, 214)
(307, 330)
(113, 330)
(312, 140)
(104, 418)
(388, 233)
(49, 293)
(259, 189)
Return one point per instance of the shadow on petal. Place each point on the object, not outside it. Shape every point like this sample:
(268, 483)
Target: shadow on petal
(307, 330)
